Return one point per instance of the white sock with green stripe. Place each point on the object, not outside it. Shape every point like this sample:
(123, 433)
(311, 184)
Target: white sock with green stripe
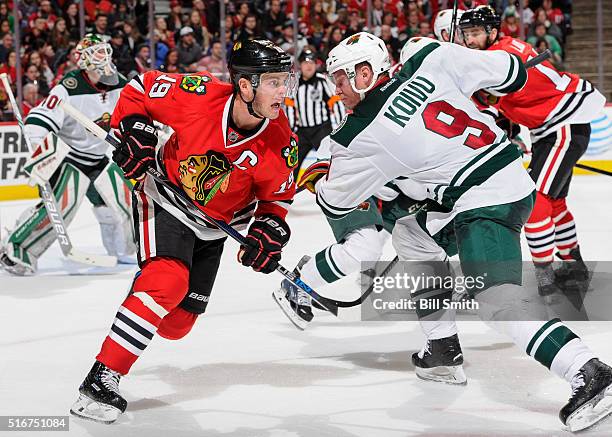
(551, 343)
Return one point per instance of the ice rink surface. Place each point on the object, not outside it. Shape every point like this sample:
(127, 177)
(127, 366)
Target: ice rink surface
(245, 371)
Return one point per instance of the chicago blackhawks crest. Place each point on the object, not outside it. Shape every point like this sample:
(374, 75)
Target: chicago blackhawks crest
(195, 84)
(290, 153)
(202, 176)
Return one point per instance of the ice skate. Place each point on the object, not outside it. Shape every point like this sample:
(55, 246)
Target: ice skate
(99, 398)
(591, 399)
(573, 273)
(295, 303)
(441, 360)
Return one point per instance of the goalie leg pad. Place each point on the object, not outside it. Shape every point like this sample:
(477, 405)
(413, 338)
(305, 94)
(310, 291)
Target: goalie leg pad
(115, 217)
(34, 233)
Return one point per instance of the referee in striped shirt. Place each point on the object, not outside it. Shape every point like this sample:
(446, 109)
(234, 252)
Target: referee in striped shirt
(315, 111)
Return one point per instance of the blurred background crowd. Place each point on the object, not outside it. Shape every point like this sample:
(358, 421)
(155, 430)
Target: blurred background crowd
(186, 34)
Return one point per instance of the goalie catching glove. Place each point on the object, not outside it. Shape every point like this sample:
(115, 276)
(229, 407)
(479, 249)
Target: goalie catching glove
(137, 150)
(312, 175)
(267, 236)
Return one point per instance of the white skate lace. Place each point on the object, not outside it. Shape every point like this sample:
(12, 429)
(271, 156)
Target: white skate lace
(577, 383)
(303, 299)
(426, 349)
(110, 379)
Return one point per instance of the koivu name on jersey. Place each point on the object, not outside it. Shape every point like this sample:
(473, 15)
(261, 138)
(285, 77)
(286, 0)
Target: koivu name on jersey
(407, 101)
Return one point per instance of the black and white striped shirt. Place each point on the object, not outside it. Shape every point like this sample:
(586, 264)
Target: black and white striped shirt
(314, 104)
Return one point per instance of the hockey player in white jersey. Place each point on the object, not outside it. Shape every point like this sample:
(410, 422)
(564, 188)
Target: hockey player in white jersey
(422, 125)
(74, 162)
(442, 25)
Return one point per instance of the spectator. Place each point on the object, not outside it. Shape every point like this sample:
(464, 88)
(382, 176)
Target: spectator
(336, 35)
(6, 47)
(200, 7)
(32, 75)
(6, 15)
(171, 63)
(95, 7)
(528, 14)
(189, 50)
(241, 14)
(143, 59)
(72, 21)
(132, 36)
(317, 20)
(45, 72)
(38, 35)
(44, 12)
(378, 11)
(250, 28)
(354, 24)
(118, 17)
(471, 4)
(511, 25)
(213, 63)
(10, 66)
(30, 98)
(425, 30)
(122, 57)
(540, 32)
(551, 28)
(412, 26)
(273, 20)
(69, 64)
(101, 25)
(161, 49)
(175, 17)
(392, 43)
(60, 37)
(541, 45)
(200, 32)
(554, 14)
(167, 36)
(287, 42)
(389, 19)
(5, 27)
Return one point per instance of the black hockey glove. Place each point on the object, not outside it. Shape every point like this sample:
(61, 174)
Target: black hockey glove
(137, 150)
(266, 238)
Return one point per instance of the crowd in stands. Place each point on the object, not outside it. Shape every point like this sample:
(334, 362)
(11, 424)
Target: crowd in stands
(187, 39)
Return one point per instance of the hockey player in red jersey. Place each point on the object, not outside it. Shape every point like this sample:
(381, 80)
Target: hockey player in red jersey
(233, 153)
(557, 107)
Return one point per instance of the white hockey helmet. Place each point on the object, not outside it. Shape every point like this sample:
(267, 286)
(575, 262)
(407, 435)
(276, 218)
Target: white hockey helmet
(358, 48)
(414, 45)
(443, 22)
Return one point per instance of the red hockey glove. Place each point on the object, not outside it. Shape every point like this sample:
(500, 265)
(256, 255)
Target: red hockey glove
(312, 175)
(264, 242)
(137, 150)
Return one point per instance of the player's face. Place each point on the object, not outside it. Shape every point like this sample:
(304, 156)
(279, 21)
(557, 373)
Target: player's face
(475, 38)
(344, 90)
(270, 94)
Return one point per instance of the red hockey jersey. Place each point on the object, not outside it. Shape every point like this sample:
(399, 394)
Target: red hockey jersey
(222, 172)
(550, 98)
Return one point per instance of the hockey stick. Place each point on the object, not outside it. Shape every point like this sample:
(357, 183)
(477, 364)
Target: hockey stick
(538, 59)
(53, 210)
(593, 169)
(453, 27)
(189, 207)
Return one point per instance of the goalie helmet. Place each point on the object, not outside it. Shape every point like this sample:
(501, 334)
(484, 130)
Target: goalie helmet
(354, 50)
(94, 54)
(414, 45)
(443, 22)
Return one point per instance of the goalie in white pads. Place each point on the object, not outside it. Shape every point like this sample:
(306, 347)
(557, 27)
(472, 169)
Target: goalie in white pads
(422, 125)
(74, 162)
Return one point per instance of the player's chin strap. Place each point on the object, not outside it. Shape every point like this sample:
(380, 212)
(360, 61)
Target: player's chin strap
(254, 84)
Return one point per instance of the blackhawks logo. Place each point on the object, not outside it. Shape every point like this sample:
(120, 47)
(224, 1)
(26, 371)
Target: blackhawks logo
(202, 176)
(290, 153)
(194, 84)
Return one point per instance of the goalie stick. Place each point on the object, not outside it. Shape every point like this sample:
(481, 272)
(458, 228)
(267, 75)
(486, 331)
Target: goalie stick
(188, 206)
(51, 207)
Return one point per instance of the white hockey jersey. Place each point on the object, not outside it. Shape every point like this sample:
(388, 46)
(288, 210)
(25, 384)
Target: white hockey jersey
(76, 89)
(422, 125)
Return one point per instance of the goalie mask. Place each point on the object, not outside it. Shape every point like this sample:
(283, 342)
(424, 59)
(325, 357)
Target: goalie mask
(94, 54)
(354, 50)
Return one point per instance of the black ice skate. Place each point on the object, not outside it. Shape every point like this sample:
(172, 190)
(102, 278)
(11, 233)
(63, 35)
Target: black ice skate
(545, 275)
(441, 360)
(99, 398)
(591, 399)
(574, 273)
(295, 303)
